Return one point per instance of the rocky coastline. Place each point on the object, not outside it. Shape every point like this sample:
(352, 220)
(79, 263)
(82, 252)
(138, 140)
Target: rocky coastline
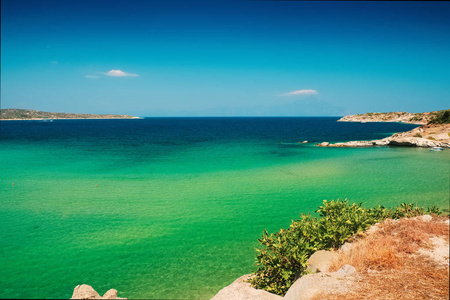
(427, 135)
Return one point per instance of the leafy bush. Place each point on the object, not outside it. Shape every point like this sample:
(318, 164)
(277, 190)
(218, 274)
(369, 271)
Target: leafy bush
(417, 135)
(434, 210)
(282, 259)
(406, 210)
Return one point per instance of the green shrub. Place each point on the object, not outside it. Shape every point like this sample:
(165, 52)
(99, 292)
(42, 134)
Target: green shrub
(434, 210)
(406, 210)
(417, 135)
(282, 258)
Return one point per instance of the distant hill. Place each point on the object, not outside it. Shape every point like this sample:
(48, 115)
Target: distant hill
(28, 114)
(440, 117)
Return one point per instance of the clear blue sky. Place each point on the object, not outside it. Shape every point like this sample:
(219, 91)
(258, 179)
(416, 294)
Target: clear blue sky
(214, 58)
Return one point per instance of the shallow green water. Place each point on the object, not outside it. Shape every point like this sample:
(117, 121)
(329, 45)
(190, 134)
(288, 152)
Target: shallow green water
(181, 225)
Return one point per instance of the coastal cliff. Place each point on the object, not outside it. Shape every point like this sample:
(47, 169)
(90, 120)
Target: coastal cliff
(29, 114)
(435, 133)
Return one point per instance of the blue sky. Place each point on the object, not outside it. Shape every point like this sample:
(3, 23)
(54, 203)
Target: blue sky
(225, 58)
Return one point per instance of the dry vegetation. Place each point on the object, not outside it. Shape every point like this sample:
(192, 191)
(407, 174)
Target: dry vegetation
(389, 266)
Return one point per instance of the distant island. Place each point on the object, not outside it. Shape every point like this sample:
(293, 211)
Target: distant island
(434, 132)
(28, 114)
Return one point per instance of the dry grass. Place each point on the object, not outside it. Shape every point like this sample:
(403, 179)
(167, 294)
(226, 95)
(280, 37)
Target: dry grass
(388, 266)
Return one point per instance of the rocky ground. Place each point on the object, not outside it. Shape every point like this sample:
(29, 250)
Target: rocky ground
(397, 259)
(432, 135)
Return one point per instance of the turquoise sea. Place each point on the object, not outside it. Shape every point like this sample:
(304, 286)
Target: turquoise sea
(171, 208)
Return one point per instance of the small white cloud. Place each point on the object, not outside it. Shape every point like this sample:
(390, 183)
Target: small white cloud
(119, 73)
(92, 76)
(54, 62)
(301, 93)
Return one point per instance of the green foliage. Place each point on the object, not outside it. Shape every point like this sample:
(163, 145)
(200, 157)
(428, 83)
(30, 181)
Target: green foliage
(441, 117)
(417, 135)
(282, 258)
(339, 220)
(434, 210)
(406, 210)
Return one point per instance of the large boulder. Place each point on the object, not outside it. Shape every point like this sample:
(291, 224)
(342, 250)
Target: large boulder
(241, 290)
(85, 291)
(111, 294)
(308, 286)
(320, 261)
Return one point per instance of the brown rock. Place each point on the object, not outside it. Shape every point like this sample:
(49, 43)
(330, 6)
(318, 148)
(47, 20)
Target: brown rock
(85, 291)
(241, 290)
(320, 261)
(308, 286)
(111, 294)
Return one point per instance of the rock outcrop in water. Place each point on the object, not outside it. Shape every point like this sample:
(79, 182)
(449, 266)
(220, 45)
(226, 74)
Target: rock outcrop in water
(432, 135)
(436, 132)
(85, 291)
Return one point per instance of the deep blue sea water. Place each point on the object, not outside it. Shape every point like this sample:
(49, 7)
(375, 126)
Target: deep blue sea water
(173, 207)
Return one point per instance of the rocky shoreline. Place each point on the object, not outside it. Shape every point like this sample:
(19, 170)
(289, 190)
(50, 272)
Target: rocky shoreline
(427, 135)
